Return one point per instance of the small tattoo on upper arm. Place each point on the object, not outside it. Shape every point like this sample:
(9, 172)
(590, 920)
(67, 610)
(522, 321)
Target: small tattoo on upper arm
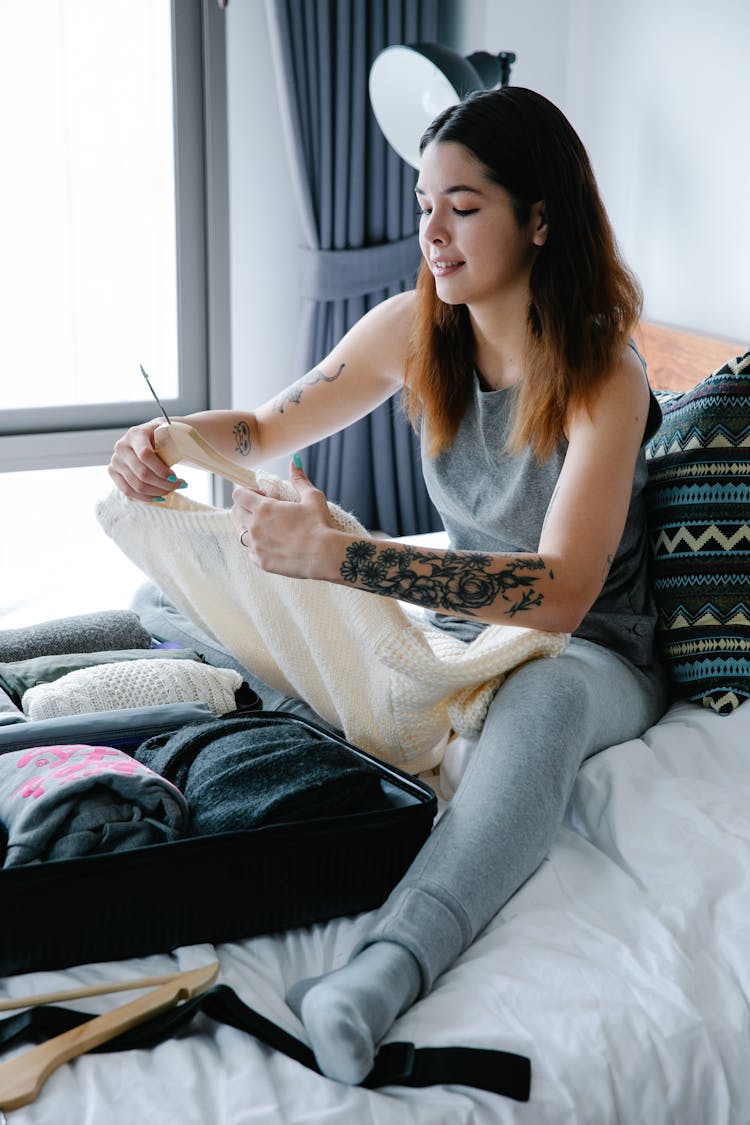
(242, 438)
(294, 393)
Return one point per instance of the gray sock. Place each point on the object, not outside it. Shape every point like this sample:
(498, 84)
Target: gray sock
(347, 1012)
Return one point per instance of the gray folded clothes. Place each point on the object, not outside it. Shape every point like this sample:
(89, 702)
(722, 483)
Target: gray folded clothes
(17, 676)
(86, 632)
(58, 802)
(244, 773)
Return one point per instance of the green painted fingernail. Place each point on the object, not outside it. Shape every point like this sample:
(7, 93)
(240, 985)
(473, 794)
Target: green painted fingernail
(172, 478)
(182, 484)
(297, 461)
(157, 499)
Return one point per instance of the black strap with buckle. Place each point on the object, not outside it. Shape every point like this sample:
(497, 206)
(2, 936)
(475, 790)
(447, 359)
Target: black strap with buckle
(396, 1064)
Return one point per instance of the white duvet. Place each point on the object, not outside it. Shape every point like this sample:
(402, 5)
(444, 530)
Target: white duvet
(622, 969)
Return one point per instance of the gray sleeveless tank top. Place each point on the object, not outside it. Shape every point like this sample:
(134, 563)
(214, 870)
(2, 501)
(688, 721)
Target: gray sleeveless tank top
(491, 500)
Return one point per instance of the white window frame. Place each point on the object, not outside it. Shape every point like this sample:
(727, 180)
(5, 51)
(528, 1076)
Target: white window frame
(77, 435)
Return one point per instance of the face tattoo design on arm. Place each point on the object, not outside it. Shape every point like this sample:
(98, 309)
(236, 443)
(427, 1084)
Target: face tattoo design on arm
(242, 438)
(460, 583)
(294, 393)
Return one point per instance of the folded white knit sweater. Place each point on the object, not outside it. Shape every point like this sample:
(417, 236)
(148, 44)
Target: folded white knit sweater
(395, 685)
(133, 683)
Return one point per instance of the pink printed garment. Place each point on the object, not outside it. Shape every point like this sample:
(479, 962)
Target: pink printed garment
(57, 802)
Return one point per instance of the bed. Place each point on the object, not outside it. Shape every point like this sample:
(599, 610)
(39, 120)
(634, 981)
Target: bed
(620, 968)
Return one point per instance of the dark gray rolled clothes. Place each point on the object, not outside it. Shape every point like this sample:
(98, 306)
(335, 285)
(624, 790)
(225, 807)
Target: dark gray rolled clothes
(238, 774)
(86, 632)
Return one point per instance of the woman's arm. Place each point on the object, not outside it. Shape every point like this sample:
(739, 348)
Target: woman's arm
(361, 372)
(550, 589)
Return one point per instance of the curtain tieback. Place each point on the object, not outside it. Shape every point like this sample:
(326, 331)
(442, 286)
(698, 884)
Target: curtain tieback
(334, 275)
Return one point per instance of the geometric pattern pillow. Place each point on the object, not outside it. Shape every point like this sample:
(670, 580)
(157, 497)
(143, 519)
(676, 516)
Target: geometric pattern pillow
(698, 500)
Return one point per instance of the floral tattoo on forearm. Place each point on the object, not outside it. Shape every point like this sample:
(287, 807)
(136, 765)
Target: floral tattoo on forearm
(295, 392)
(242, 438)
(460, 583)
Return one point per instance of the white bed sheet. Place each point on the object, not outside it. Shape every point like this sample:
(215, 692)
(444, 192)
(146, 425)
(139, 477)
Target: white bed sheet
(621, 968)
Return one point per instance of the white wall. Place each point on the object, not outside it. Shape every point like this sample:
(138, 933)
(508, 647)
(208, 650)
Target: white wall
(537, 30)
(263, 218)
(659, 91)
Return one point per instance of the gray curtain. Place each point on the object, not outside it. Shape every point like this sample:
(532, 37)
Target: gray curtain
(358, 219)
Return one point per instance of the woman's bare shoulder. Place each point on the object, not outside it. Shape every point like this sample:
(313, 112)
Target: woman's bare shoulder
(621, 398)
(380, 339)
(627, 381)
(395, 312)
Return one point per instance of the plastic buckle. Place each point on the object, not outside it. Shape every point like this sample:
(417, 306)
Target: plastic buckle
(394, 1064)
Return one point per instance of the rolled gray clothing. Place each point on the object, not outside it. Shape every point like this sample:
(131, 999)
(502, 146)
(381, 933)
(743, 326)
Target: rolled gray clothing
(58, 802)
(243, 773)
(86, 632)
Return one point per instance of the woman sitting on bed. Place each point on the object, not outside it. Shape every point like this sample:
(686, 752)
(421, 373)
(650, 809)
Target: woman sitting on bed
(533, 407)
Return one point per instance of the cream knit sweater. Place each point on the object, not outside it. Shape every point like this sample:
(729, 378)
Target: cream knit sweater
(394, 684)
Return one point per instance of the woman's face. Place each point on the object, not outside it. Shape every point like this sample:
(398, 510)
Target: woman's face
(469, 234)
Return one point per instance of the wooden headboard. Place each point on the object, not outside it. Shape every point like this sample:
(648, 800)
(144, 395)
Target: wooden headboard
(678, 359)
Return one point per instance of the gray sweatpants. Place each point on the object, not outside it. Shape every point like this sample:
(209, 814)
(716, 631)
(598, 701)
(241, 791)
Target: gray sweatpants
(546, 719)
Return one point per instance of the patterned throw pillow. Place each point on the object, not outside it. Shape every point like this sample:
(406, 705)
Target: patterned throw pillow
(699, 517)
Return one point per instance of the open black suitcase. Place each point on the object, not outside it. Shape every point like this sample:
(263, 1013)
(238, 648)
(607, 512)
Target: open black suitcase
(209, 888)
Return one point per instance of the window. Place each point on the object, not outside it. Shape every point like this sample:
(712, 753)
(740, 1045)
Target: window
(102, 222)
(113, 222)
(55, 560)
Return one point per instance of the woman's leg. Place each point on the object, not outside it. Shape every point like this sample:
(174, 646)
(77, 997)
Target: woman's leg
(547, 717)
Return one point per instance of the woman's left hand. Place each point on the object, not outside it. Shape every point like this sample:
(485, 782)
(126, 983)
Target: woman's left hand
(283, 536)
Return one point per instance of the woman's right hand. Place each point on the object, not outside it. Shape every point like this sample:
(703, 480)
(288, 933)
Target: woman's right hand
(137, 469)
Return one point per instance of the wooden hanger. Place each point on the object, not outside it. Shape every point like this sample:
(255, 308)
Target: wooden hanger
(103, 988)
(22, 1078)
(179, 443)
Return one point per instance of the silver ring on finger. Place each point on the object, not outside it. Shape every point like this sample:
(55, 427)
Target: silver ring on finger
(243, 533)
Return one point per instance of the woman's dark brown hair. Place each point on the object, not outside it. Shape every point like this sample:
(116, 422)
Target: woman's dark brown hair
(584, 300)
